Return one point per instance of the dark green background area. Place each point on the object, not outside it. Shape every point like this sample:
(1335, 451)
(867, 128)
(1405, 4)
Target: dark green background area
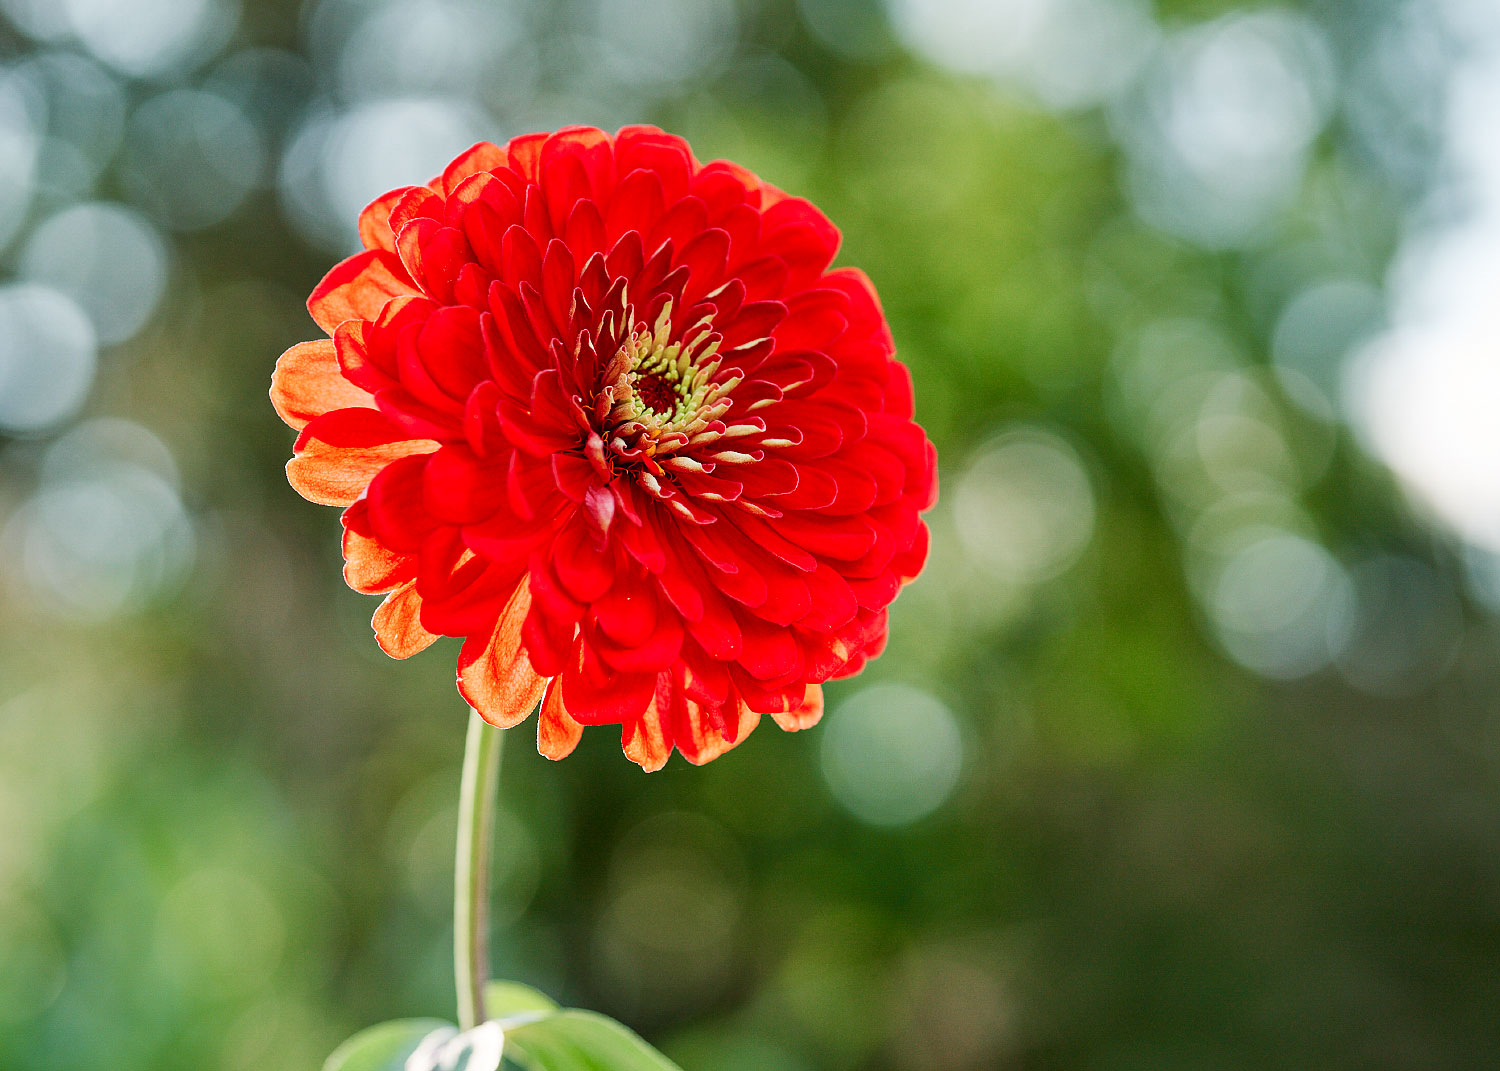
(226, 818)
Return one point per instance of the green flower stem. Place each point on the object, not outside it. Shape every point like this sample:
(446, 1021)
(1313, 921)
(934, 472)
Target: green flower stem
(471, 871)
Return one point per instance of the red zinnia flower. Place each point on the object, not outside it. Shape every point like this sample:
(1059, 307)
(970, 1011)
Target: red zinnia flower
(604, 412)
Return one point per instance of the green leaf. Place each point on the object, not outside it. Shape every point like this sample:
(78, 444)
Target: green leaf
(542, 1037)
(583, 1041)
(503, 1000)
(384, 1047)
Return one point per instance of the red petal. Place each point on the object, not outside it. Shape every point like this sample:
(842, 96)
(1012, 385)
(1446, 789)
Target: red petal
(452, 351)
(723, 186)
(833, 601)
(549, 639)
(845, 538)
(753, 321)
(485, 223)
(433, 255)
(654, 150)
(559, 273)
(909, 562)
(815, 319)
(394, 505)
(357, 364)
(471, 599)
(648, 653)
(636, 206)
(866, 317)
(764, 277)
(626, 611)
(597, 695)
(800, 234)
(481, 186)
(584, 230)
(768, 652)
(584, 570)
(460, 488)
(524, 152)
(564, 184)
(586, 148)
(708, 743)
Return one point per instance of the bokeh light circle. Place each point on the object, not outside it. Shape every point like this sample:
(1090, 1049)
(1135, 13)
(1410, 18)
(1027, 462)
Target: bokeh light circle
(1024, 507)
(192, 158)
(338, 162)
(107, 529)
(108, 259)
(149, 37)
(892, 754)
(81, 111)
(47, 357)
(659, 42)
(1282, 605)
(20, 147)
(1218, 130)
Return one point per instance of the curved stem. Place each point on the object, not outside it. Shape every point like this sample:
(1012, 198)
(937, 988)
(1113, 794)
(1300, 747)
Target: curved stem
(471, 871)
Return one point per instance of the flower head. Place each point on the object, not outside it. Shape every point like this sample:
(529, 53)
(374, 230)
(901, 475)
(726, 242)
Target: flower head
(605, 413)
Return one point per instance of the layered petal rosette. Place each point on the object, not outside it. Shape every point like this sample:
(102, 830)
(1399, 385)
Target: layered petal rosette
(606, 413)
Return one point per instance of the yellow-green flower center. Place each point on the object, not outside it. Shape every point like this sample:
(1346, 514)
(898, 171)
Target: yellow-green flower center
(669, 385)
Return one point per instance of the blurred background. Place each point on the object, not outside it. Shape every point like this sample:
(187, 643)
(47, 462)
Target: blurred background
(1186, 752)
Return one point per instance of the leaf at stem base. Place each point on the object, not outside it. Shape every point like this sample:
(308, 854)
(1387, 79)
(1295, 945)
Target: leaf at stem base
(384, 1047)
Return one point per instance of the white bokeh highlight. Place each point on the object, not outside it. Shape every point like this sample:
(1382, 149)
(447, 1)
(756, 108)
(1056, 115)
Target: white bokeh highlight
(1425, 394)
(149, 37)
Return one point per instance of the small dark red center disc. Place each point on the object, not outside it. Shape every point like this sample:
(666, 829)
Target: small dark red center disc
(656, 393)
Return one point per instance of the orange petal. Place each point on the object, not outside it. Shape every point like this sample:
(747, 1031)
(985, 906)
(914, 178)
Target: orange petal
(495, 676)
(705, 743)
(484, 156)
(375, 221)
(557, 734)
(339, 453)
(805, 716)
(358, 288)
(644, 742)
(370, 566)
(398, 628)
(308, 383)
